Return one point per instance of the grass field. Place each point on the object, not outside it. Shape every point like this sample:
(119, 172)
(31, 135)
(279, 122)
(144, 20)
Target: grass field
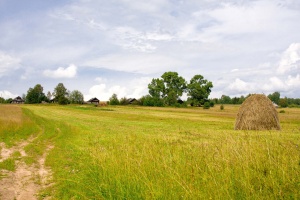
(157, 153)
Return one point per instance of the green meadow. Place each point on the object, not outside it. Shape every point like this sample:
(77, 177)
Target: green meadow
(131, 152)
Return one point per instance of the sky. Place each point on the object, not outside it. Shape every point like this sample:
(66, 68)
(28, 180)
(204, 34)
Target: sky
(103, 47)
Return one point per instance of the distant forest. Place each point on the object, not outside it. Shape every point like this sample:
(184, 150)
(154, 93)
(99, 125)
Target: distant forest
(274, 97)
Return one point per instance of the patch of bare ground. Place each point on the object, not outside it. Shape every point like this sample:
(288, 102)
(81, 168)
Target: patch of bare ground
(25, 181)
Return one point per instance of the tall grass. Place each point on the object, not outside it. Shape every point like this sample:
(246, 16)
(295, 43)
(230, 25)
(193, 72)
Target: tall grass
(15, 125)
(167, 153)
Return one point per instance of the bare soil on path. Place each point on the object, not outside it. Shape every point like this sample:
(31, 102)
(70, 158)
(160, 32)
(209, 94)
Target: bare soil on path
(25, 181)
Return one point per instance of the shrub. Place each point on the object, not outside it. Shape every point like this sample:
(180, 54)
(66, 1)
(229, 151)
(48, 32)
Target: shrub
(222, 107)
(206, 105)
(63, 101)
(282, 111)
(211, 104)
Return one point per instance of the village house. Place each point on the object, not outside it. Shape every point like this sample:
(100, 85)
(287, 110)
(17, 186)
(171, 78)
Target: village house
(131, 101)
(17, 100)
(93, 101)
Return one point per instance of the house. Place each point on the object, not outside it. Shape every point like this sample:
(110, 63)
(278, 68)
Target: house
(93, 101)
(17, 100)
(131, 101)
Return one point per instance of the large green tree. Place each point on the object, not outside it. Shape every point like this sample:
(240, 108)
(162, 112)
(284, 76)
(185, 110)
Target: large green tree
(169, 87)
(113, 100)
(76, 97)
(198, 90)
(275, 97)
(60, 93)
(35, 95)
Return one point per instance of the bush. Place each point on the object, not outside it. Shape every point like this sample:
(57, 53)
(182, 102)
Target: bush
(282, 111)
(211, 104)
(63, 101)
(222, 107)
(151, 101)
(206, 105)
(113, 100)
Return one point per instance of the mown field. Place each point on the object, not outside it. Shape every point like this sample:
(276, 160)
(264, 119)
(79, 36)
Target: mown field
(157, 153)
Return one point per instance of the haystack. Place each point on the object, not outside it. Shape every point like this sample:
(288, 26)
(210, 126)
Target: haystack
(257, 113)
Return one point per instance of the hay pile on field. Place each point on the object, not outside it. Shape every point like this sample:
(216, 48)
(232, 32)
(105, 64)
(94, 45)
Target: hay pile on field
(257, 113)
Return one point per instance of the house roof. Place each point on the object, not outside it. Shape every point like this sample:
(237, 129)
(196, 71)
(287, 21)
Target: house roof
(18, 98)
(130, 100)
(93, 99)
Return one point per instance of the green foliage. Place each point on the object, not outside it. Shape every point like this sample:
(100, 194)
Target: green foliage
(225, 99)
(221, 107)
(151, 101)
(76, 97)
(9, 100)
(198, 90)
(206, 105)
(113, 100)
(283, 102)
(275, 97)
(124, 101)
(211, 104)
(60, 92)
(63, 100)
(169, 88)
(8, 164)
(35, 95)
(157, 88)
(2, 100)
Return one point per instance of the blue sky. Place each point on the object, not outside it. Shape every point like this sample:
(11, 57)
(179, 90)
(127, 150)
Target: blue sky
(104, 47)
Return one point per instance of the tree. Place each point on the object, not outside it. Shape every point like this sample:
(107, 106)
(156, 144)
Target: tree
(2, 100)
(283, 102)
(148, 100)
(60, 93)
(170, 87)
(198, 90)
(9, 100)
(156, 88)
(35, 95)
(76, 97)
(113, 100)
(123, 101)
(275, 97)
(225, 99)
(49, 96)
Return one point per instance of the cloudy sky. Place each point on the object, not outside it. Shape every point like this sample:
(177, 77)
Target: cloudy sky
(103, 47)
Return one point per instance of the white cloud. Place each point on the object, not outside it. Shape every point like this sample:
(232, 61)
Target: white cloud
(6, 94)
(293, 82)
(239, 86)
(103, 93)
(141, 63)
(8, 62)
(100, 79)
(134, 88)
(274, 84)
(290, 59)
(138, 87)
(69, 72)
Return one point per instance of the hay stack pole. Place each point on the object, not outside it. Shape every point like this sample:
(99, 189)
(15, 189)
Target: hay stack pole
(257, 113)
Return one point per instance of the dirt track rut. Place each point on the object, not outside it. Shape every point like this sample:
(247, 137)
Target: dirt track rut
(27, 180)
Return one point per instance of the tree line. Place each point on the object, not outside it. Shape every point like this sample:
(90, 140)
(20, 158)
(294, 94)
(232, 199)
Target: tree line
(164, 91)
(168, 90)
(60, 95)
(274, 97)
